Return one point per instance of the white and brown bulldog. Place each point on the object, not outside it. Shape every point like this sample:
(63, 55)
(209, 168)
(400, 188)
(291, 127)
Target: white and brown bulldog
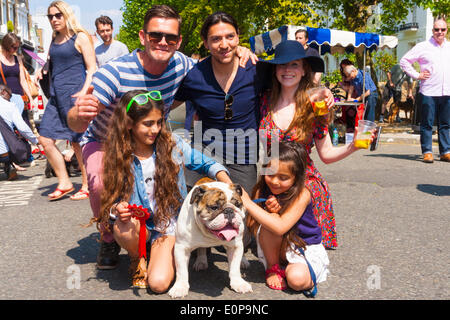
(211, 215)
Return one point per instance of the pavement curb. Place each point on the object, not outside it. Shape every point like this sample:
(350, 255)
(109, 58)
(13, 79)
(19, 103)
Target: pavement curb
(404, 137)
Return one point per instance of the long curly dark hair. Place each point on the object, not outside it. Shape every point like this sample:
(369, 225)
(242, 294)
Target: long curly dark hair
(118, 175)
(295, 154)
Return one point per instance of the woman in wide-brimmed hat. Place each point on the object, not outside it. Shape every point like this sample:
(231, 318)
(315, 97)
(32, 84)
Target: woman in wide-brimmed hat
(287, 111)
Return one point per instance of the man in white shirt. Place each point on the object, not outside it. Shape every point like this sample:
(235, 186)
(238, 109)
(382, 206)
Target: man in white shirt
(110, 48)
(433, 57)
(12, 117)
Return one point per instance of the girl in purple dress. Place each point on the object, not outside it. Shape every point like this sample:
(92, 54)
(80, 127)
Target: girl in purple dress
(288, 236)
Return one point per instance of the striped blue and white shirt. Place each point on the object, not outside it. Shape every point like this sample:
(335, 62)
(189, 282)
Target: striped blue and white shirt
(126, 73)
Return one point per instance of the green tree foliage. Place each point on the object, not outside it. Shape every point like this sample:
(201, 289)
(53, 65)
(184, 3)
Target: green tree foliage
(354, 15)
(10, 26)
(384, 60)
(437, 7)
(253, 16)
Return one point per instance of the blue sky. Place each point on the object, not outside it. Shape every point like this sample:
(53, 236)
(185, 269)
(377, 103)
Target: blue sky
(86, 10)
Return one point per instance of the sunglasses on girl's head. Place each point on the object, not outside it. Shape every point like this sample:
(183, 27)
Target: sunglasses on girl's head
(58, 16)
(156, 37)
(142, 98)
(440, 29)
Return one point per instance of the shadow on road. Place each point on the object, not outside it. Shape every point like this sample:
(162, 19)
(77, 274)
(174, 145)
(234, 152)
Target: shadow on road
(434, 190)
(413, 157)
(86, 253)
(210, 282)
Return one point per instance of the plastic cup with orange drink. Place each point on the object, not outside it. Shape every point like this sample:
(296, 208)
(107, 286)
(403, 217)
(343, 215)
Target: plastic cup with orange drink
(364, 134)
(317, 97)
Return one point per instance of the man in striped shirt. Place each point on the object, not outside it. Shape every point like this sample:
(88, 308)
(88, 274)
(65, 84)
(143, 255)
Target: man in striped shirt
(158, 67)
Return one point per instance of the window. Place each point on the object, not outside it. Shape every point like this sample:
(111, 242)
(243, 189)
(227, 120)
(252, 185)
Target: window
(4, 17)
(11, 11)
(23, 25)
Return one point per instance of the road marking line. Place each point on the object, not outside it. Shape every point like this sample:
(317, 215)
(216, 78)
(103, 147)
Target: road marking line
(18, 193)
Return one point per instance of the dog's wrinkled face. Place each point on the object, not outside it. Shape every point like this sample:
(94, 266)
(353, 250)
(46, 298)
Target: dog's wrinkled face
(218, 211)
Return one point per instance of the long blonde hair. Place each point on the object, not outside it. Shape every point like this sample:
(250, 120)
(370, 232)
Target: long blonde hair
(71, 20)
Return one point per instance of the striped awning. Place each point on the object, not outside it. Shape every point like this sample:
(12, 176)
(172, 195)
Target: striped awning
(329, 40)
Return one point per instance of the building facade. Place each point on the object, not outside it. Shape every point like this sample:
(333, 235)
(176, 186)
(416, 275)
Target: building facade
(15, 16)
(417, 28)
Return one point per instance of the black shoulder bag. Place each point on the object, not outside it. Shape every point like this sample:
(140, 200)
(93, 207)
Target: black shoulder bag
(44, 83)
(19, 148)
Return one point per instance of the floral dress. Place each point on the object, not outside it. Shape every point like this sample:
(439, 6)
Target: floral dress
(316, 184)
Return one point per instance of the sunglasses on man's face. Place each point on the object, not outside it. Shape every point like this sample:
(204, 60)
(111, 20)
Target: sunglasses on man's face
(440, 29)
(156, 37)
(228, 103)
(142, 98)
(58, 16)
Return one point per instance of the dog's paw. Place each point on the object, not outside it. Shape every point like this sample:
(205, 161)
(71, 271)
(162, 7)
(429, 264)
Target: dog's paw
(240, 285)
(244, 263)
(200, 264)
(179, 290)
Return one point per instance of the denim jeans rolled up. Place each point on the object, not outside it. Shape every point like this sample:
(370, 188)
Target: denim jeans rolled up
(435, 107)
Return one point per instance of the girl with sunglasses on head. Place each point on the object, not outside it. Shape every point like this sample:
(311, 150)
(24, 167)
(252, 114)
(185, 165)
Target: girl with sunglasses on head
(143, 165)
(72, 64)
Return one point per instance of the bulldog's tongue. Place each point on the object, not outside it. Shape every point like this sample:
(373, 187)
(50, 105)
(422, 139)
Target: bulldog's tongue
(227, 233)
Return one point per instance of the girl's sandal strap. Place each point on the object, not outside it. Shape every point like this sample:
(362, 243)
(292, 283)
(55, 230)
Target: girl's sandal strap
(275, 269)
(138, 273)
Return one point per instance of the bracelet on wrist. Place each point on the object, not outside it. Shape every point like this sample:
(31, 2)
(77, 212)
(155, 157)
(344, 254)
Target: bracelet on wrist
(112, 216)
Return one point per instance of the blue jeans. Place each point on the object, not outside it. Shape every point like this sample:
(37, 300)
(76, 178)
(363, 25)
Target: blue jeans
(371, 103)
(431, 107)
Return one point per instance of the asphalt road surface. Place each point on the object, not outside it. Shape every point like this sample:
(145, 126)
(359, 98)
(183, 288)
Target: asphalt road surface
(392, 216)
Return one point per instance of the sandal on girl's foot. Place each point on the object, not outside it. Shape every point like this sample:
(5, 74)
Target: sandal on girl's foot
(59, 193)
(138, 271)
(80, 195)
(275, 269)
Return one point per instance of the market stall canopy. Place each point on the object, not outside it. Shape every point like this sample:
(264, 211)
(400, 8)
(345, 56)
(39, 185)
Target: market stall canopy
(329, 40)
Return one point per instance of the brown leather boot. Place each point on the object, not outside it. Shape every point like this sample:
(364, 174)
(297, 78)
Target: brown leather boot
(445, 157)
(428, 158)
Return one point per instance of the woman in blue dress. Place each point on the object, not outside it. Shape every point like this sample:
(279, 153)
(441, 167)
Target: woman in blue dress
(72, 58)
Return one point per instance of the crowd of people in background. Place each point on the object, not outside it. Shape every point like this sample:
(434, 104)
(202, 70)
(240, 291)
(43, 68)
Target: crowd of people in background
(112, 106)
